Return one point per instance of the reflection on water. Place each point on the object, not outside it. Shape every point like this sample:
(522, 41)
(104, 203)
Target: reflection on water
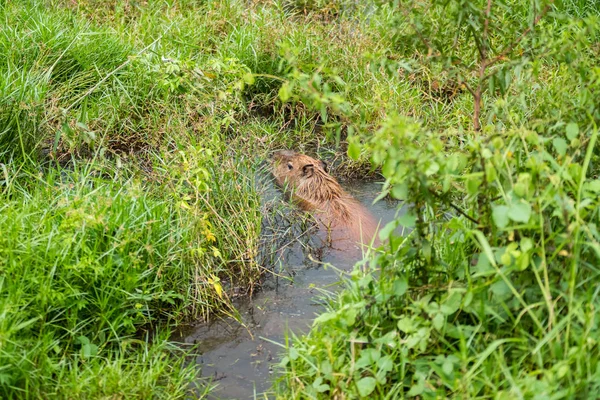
(240, 359)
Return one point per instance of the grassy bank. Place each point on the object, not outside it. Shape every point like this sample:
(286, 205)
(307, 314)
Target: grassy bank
(132, 136)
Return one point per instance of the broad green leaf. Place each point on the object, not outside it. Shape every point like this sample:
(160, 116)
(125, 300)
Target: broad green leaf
(319, 386)
(384, 233)
(417, 388)
(452, 303)
(432, 169)
(593, 186)
(483, 266)
(485, 246)
(500, 289)
(438, 321)
(572, 130)
(385, 363)
(560, 145)
(389, 167)
(354, 150)
(400, 286)
(366, 386)
(400, 191)
(407, 220)
(520, 211)
(526, 244)
(248, 78)
(500, 216)
(293, 354)
(473, 183)
(447, 367)
(325, 317)
(285, 92)
(406, 325)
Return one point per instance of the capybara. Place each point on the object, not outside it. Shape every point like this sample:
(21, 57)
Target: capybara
(313, 189)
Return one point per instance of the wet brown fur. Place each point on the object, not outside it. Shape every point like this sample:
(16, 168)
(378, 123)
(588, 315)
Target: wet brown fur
(315, 190)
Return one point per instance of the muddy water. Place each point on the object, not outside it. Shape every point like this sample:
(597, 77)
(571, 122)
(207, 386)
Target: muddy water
(238, 359)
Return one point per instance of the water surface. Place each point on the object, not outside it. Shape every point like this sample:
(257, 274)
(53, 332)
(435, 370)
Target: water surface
(239, 359)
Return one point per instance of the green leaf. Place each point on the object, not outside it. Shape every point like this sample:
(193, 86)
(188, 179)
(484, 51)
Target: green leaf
(400, 286)
(485, 246)
(483, 266)
(324, 113)
(520, 212)
(319, 386)
(407, 220)
(89, 350)
(324, 318)
(366, 386)
(526, 244)
(285, 92)
(473, 183)
(560, 145)
(349, 316)
(417, 388)
(389, 167)
(500, 216)
(293, 354)
(406, 325)
(385, 363)
(432, 169)
(438, 321)
(447, 367)
(452, 303)
(354, 150)
(593, 186)
(384, 233)
(400, 191)
(572, 130)
(500, 289)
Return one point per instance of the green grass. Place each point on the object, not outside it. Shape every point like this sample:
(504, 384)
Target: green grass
(132, 144)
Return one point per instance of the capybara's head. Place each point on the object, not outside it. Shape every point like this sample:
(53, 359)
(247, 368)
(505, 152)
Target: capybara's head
(290, 167)
(305, 176)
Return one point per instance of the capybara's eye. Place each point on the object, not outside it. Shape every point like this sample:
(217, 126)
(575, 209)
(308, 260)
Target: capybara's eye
(290, 166)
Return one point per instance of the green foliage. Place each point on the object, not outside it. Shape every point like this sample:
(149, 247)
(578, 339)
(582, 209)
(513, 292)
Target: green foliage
(84, 263)
(499, 303)
(491, 294)
(160, 113)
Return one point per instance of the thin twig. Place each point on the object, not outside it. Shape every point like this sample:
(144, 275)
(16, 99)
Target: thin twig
(514, 44)
(457, 208)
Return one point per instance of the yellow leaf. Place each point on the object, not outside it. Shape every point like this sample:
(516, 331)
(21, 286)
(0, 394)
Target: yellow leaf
(214, 281)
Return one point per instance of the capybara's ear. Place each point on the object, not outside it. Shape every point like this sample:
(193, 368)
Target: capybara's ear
(324, 166)
(308, 170)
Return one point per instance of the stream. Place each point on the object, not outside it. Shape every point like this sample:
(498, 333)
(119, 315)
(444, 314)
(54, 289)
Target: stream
(240, 360)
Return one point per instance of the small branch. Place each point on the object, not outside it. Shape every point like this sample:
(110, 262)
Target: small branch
(486, 24)
(455, 207)
(514, 44)
(464, 214)
(423, 39)
(483, 52)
